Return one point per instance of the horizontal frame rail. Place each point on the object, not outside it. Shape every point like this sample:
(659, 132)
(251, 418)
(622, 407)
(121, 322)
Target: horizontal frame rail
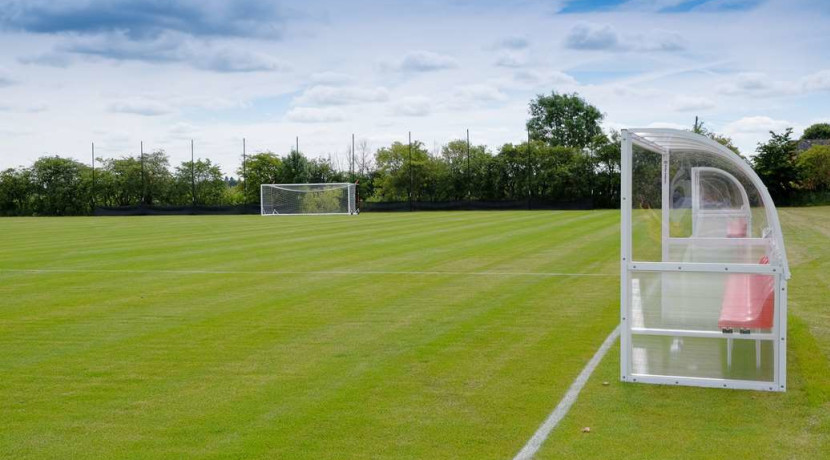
(647, 144)
(764, 269)
(705, 382)
(705, 334)
(719, 242)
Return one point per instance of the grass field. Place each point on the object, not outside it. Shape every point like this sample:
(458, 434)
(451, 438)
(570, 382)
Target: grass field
(423, 335)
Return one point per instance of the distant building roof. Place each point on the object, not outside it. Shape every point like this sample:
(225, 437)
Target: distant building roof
(805, 144)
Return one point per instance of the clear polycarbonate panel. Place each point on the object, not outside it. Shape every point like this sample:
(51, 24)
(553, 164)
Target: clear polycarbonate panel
(646, 204)
(713, 358)
(288, 199)
(718, 191)
(724, 198)
(702, 301)
(718, 250)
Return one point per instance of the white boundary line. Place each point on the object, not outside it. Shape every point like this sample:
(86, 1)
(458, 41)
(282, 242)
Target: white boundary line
(294, 272)
(541, 434)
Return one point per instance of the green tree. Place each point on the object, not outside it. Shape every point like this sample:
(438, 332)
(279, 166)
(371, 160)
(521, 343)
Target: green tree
(511, 166)
(605, 153)
(775, 163)
(563, 119)
(817, 131)
(57, 187)
(814, 167)
(295, 168)
(16, 192)
(205, 179)
(394, 169)
(260, 168)
(130, 181)
(560, 173)
(121, 181)
(322, 170)
(463, 173)
(158, 181)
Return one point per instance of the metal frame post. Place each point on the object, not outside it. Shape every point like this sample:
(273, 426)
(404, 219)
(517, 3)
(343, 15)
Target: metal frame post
(625, 254)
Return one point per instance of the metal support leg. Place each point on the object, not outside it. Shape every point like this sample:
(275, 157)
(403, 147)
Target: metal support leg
(729, 352)
(757, 354)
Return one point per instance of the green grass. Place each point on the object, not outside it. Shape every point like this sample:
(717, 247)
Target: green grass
(302, 337)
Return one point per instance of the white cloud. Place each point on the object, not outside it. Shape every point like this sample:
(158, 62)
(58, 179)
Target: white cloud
(692, 103)
(228, 60)
(331, 95)
(748, 82)
(51, 59)
(413, 106)
(170, 47)
(5, 78)
(36, 107)
(819, 81)
(747, 132)
(315, 115)
(480, 93)
(589, 36)
(755, 125)
(658, 40)
(512, 43)
(666, 124)
(511, 59)
(330, 78)
(547, 79)
(141, 106)
(422, 61)
(761, 84)
(473, 96)
(586, 36)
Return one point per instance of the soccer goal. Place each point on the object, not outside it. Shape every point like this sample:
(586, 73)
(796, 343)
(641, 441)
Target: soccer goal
(305, 199)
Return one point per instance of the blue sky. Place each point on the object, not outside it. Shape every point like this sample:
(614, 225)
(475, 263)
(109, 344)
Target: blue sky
(117, 72)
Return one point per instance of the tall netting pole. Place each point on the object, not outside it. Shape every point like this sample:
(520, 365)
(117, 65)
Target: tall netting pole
(529, 190)
(245, 178)
(93, 178)
(410, 171)
(143, 182)
(469, 185)
(192, 176)
(351, 161)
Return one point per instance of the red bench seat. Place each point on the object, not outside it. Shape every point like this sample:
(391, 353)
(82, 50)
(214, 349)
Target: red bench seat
(748, 301)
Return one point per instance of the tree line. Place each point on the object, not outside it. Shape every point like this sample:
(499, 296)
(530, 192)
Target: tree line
(566, 157)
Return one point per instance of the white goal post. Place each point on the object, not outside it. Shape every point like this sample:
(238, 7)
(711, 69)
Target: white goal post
(307, 199)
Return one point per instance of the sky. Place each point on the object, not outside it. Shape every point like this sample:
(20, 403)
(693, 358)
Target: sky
(119, 72)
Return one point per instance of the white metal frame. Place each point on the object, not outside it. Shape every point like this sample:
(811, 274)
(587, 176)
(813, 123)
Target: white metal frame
(663, 142)
(352, 188)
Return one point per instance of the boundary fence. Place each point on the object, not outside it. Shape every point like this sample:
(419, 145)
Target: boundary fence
(376, 206)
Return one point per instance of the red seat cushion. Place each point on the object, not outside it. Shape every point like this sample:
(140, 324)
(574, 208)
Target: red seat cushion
(736, 228)
(748, 301)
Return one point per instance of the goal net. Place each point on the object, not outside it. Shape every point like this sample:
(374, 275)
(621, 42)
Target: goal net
(292, 199)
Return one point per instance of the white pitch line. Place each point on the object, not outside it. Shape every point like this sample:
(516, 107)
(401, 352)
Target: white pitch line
(296, 272)
(541, 434)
